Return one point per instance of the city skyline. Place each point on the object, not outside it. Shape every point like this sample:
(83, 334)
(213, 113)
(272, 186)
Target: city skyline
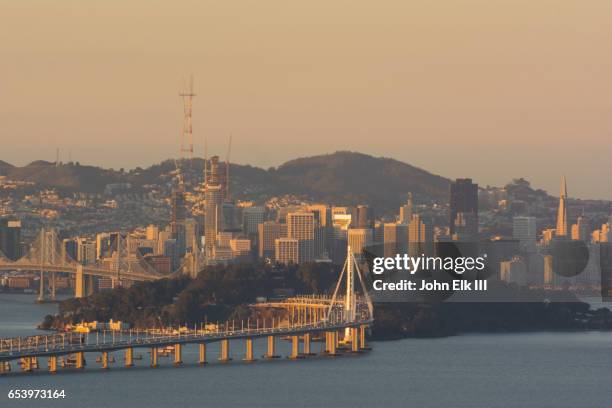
(471, 89)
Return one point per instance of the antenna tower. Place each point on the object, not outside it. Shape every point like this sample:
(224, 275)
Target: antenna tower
(187, 135)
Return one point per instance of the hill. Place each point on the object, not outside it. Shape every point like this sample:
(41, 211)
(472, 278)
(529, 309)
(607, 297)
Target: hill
(66, 177)
(341, 177)
(5, 167)
(359, 178)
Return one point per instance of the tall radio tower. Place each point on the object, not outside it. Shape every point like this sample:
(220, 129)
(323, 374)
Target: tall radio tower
(187, 135)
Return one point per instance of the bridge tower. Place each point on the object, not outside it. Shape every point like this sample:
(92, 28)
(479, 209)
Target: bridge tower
(350, 297)
(349, 305)
(47, 249)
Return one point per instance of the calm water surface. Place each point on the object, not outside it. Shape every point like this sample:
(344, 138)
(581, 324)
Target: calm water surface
(501, 370)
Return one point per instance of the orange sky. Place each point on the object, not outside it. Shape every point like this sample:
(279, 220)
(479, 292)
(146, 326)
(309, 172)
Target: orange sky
(489, 89)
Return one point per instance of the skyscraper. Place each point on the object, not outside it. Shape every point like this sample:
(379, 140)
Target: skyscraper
(177, 221)
(420, 237)
(214, 196)
(463, 199)
(269, 231)
(323, 229)
(562, 225)
(301, 226)
(581, 230)
(395, 239)
(359, 239)
(405, 214)
(524, 229)
(251, 218)
(363, 217)
(286, 250)
(10, 239)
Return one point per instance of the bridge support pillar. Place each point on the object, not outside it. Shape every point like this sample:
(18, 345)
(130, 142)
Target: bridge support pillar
(354, 340)
(129, 357)
(79, 359)
(154, 357)
(249, 351)
(79, 283)
(105, 365)
(28, 363)
(295, 347)
(362, 338)
(271, 348)
(307, 344)
(5, 367)
(178, 355)
(53, 364)
(331, 342)
(224, 351)
(202, 359)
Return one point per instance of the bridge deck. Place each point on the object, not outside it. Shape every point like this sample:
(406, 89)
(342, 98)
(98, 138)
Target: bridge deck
(129, 339)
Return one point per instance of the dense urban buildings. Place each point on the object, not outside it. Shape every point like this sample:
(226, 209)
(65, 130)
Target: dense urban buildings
(202, 225)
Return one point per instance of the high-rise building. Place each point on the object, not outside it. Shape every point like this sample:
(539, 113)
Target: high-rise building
(581, 231)
(395, 239)
(269, 231)
(163, 236)
(251, 218)
(86, 251)
(466, 227)
(341, 224)
(170, 250)
(363, 217)
(514, 270)
(420, 237)
(224, 238)
(547, 235)
(191, 233)
(604, 234)
(322, 212)
(177, 221)
(152, 232)
(286, 250)
(524, 229)
(324, 229)
(405, 213)
(241, 248)
(10, 238)
(340, 210)
(359, 239)
(301, 226)
(463, 199)
(214, 194)
(562, 223)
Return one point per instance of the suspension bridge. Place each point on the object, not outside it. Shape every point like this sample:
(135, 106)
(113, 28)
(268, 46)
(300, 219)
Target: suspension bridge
(49, 257)
(342, 320)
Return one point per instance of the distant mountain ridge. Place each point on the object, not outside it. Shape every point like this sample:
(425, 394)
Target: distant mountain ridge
(341, 177)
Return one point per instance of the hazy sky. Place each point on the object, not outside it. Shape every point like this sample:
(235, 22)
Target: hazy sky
(489, 89)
